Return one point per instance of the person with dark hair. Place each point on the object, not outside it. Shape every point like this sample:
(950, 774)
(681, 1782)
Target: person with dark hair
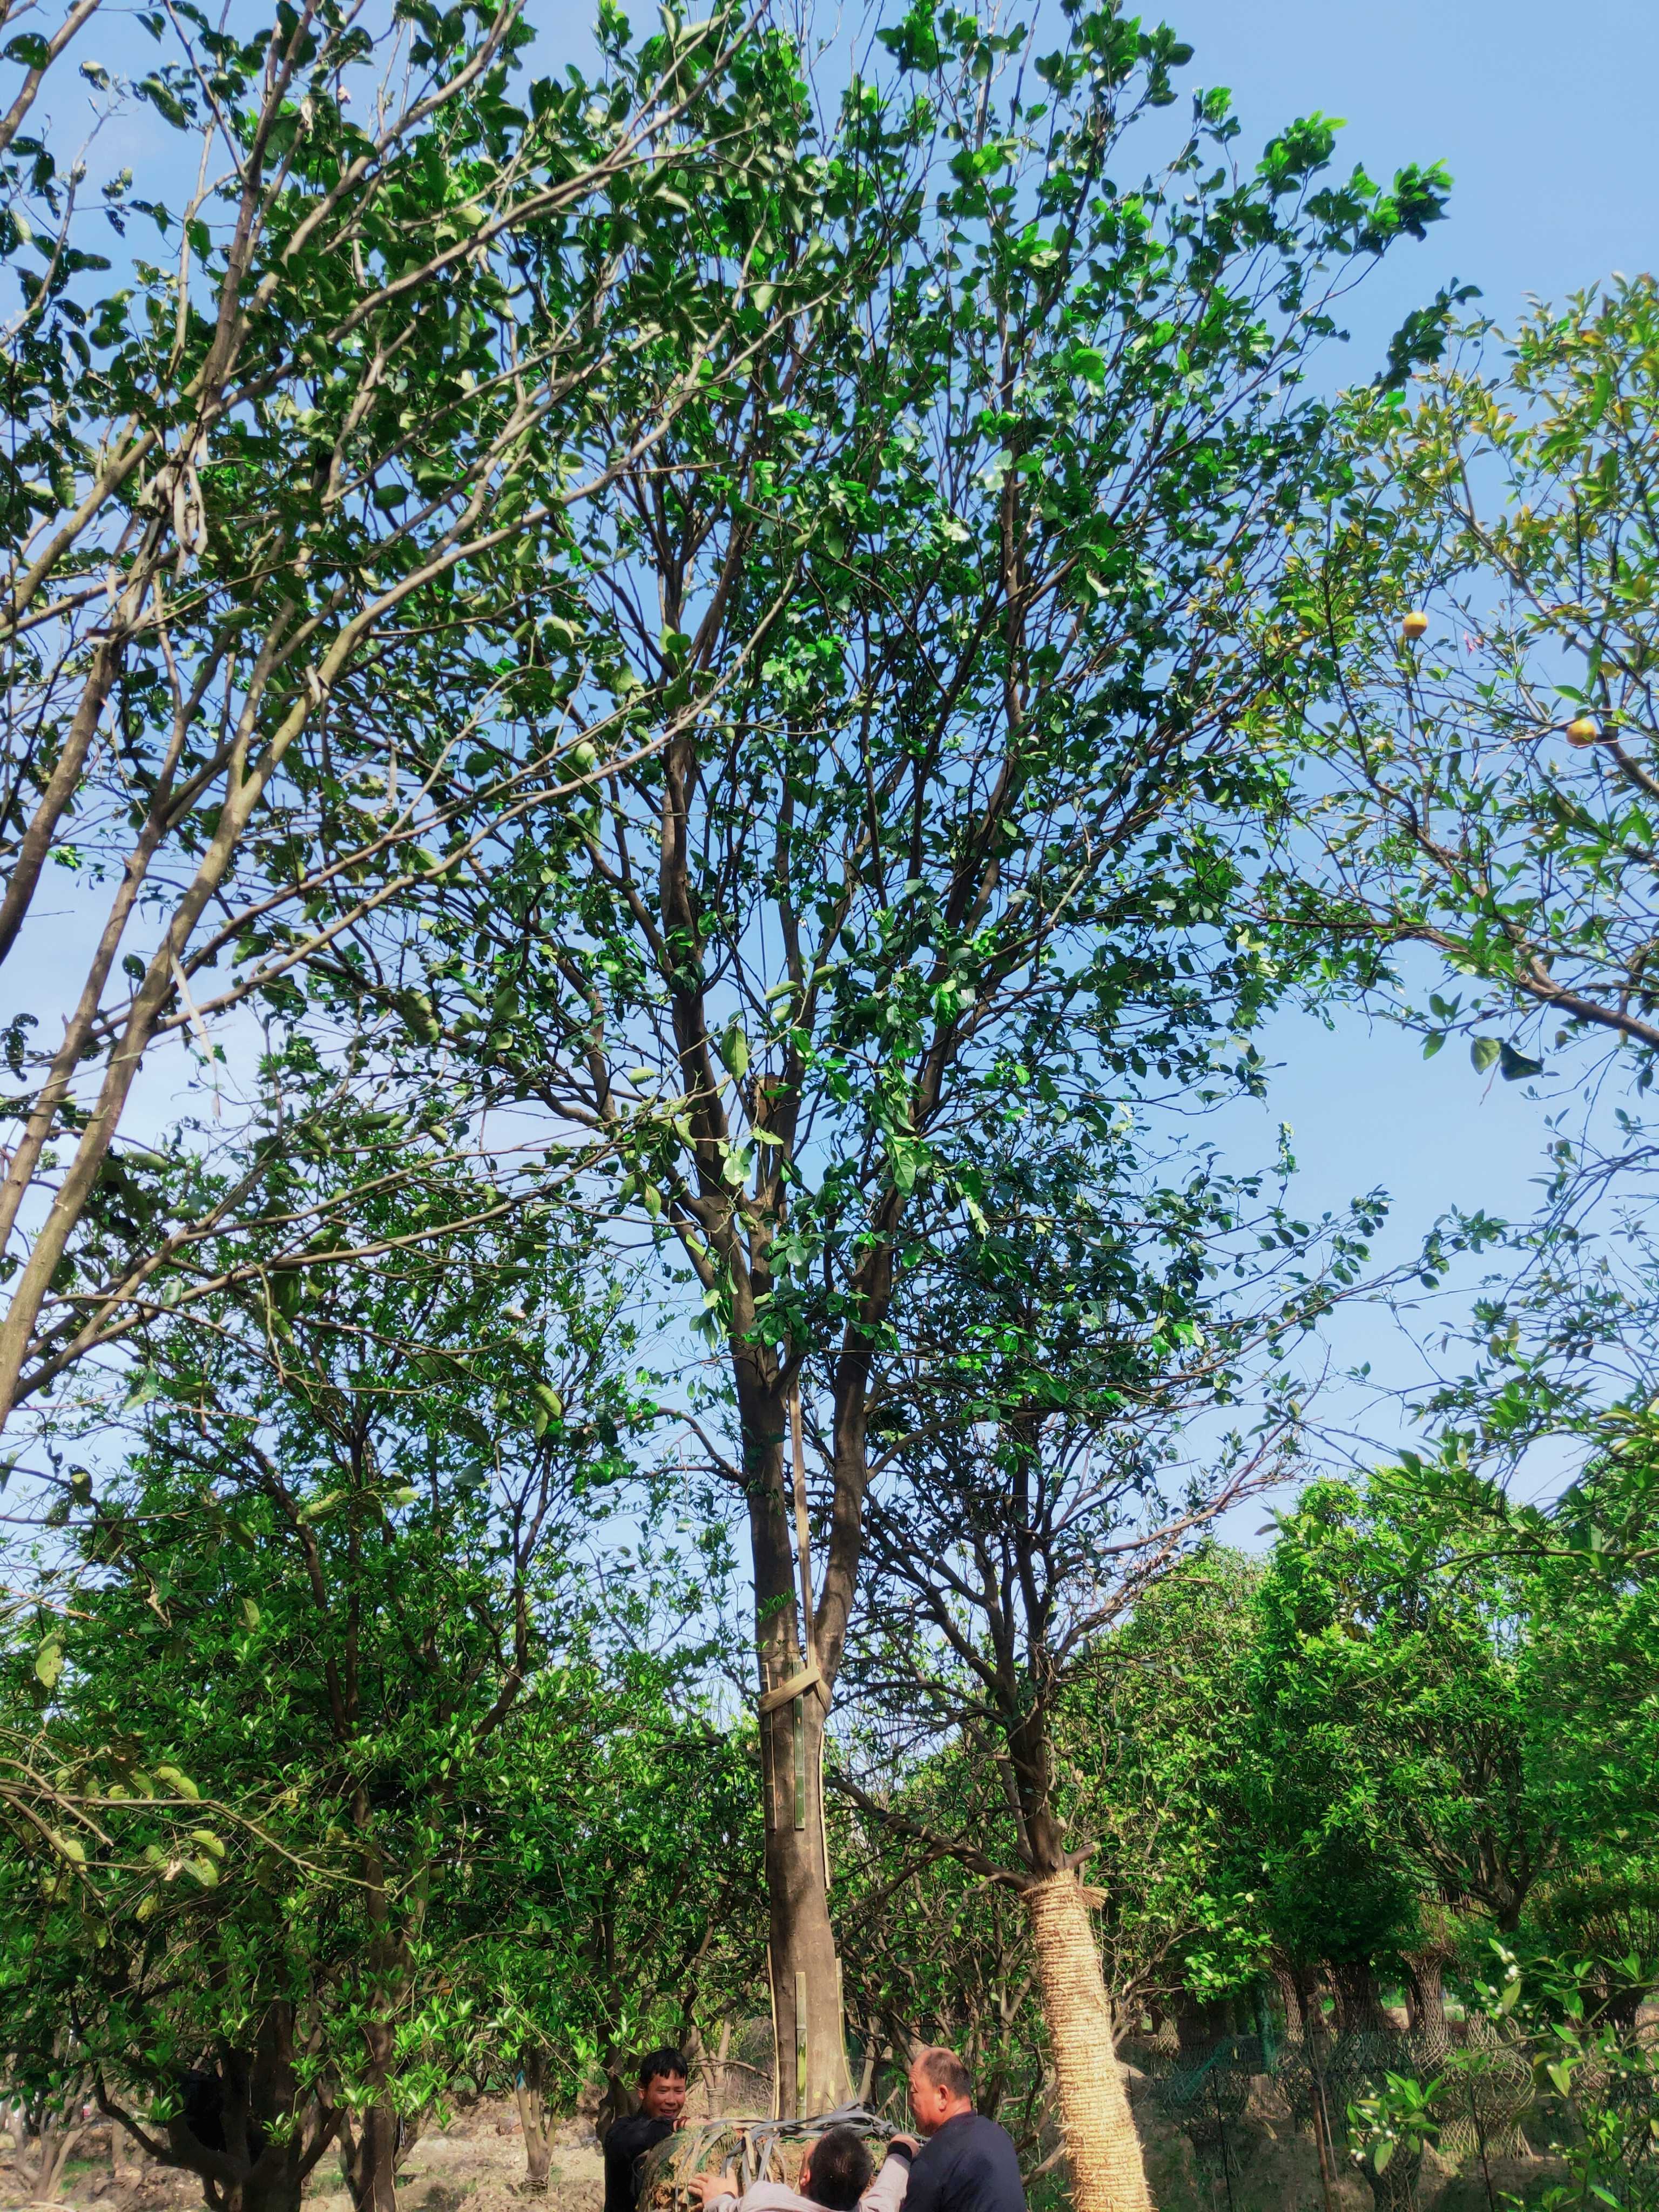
(664, 2075)
(835, 2177)
(966, 2163)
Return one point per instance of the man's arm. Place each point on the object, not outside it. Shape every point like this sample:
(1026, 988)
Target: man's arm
(890, 2188)
(719, 2191)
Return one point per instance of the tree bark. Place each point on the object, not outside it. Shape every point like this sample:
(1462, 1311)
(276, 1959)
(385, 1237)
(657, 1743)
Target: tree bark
(55, 2146)
(1108, 2173)
(812, 2075)
(283, 2193)
(532, 2092)
(262, 2131)
(1426, 1996)
(1358, 2001)
(806, 2008)
(368, 2160)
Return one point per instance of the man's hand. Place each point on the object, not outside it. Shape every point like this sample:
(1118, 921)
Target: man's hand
(711, 2185)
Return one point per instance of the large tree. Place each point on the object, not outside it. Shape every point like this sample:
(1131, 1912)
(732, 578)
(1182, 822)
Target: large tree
(961, 573)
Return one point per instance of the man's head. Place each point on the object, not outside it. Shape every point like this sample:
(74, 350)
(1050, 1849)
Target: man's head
(663, 2076)
(837, 2171)
(941, 2088)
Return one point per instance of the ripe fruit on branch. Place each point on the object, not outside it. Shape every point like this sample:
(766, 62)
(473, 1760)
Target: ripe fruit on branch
(1583, 731)
(1413, 626)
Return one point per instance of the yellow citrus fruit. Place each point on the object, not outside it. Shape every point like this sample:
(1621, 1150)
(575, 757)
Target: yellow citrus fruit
(1413, 626)
(1585, 731)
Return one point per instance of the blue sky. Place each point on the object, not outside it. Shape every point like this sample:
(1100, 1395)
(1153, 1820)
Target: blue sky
(1543, 115)
(1544, 118)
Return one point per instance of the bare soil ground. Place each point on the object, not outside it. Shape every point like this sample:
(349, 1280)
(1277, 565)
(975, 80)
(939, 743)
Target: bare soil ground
(477, 2161)
(476, 2165)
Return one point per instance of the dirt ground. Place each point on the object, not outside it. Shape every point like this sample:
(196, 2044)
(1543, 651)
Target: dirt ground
(479, 2161)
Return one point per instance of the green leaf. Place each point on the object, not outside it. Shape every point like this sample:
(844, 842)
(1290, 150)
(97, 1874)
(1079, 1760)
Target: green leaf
(734, 1050)
(549, 1407)
(1516, 1065)
(1483, 1053)
(49, 1659)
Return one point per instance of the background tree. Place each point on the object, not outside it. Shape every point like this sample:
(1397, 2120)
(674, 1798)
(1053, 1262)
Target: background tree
(1148, 1730)
(1039, 1484)
(934, 1954)
(331, 1572)
(1496, 769)
(621, 1909)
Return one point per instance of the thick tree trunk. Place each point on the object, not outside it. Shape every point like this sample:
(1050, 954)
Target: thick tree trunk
(812, 2075)
(532, 2090)
(283, 2193)
(1103, 2150)
(1359, 2000)
(368, 2160)
(1425, 1997)
(806, 2008)
(246, 2129)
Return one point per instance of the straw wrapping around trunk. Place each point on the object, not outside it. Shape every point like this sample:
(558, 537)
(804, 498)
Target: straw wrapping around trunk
(1101, 2146)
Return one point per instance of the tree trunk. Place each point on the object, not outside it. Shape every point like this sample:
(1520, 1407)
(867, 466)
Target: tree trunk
(1426, 1998)
(812, 2075)
(806, 2008)
(1108, 2173)
(1358, 2001)
(55, 2146)
(368, 2160)
(281, 2194)
(1315, 2048)
(532, 2091)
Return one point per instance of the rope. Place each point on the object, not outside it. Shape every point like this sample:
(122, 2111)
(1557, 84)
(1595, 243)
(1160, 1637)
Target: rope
(750, 2145)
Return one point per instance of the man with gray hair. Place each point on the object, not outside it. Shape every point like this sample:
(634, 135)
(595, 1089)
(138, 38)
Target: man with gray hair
(966, 2163)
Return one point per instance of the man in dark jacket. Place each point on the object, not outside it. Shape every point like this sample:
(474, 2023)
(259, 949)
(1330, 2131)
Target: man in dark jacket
(663, 2076)
(966, 2162)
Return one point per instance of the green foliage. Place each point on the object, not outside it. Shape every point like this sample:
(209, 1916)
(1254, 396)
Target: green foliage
(1442, 1707)
(1496, 779)
(930, 641)
(292, 509)
(1156, 1722)
(1390, 1756)
(1597, 2074)
(364, 1787)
